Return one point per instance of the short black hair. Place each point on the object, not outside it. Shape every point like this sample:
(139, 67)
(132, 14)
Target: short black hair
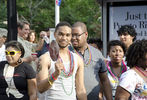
(97, 41)
(136, 54)
(47, 29)
(129, 29)
(116, 43)
(64, 23)
(16, 45)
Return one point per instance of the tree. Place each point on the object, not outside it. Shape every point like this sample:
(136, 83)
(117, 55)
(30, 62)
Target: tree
(3, 13)
(41, 13)
(87, 11)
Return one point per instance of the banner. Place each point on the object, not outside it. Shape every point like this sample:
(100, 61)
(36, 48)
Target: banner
(130, 15)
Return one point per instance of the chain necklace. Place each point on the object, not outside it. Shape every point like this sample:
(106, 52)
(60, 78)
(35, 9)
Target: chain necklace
(110, 70)
(141, 71)
(65, 73)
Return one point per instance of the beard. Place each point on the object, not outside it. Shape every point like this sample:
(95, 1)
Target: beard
(63, 46)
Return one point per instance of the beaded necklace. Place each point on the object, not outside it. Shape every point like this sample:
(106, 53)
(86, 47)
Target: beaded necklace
(90, 56)
(123, 69)
(65, 73)
(143, 73)
(65, 89)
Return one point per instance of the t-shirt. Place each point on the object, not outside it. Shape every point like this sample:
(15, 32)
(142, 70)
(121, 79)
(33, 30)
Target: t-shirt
(114, 80)
(2, 53)
(29, 48)
(134, 84)
(13, 81)
(91, 71)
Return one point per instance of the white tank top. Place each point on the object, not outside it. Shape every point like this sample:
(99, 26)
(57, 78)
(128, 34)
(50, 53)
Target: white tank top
(63, 88)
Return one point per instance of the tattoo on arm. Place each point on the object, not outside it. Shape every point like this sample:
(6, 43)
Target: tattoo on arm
(39, 68)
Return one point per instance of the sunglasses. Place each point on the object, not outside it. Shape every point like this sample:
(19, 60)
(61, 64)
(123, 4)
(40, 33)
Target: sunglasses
(12, 53)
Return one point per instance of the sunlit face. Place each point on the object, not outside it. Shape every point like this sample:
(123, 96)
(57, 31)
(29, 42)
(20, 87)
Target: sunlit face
(79, 37)
(25, 31)
(32, 37)
(63, 36)
(116, 54)
(12, 59)
(126, 39)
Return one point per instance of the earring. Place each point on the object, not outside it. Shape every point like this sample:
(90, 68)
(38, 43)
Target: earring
(19, 60)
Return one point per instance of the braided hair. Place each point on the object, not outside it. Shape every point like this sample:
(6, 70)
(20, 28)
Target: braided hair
(136, 54)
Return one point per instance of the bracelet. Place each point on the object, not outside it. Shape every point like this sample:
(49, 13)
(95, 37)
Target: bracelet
(52, 76)
(51, 83)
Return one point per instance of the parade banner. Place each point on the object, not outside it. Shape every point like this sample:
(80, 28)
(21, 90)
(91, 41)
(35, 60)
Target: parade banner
(128, 15)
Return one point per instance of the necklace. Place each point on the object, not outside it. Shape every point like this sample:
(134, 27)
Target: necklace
(90, 57)
(110, 70)
(64, 72)
(141, 71)
(65, 89)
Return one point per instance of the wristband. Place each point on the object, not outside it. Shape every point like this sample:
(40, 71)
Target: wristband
(51, 83)
(52, 76)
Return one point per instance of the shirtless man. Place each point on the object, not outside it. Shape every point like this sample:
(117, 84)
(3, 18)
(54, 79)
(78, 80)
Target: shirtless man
(62, 79)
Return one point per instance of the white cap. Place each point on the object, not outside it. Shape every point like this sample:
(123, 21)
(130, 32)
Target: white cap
(3, 32)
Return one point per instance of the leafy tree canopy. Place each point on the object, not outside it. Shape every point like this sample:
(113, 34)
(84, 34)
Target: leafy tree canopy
(41, 13)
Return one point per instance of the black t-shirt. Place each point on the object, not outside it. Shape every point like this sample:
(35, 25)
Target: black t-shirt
(16, 86)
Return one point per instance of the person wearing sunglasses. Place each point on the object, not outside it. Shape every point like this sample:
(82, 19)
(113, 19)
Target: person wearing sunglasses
(17, 78)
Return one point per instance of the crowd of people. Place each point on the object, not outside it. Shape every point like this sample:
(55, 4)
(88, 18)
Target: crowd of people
(72, 67)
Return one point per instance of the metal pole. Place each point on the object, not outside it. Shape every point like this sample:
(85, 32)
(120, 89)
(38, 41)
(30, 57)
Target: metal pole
(57, 14)
(12, 20)
(104, 28)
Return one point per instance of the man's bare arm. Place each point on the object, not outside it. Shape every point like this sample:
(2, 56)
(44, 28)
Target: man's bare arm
(80, 88)
(42, 76)
(106, 85)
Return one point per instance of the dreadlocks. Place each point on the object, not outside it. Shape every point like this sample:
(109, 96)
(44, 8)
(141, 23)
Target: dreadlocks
(136, 54)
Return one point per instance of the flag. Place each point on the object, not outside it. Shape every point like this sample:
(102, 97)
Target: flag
(58, 2)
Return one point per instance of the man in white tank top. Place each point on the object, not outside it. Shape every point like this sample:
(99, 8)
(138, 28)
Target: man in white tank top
(61, 75)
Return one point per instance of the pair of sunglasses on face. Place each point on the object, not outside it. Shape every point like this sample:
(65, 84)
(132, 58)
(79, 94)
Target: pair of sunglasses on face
(12, 53)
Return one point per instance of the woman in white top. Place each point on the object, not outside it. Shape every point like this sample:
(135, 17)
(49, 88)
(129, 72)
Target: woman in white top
(116, 65)
(133, 83)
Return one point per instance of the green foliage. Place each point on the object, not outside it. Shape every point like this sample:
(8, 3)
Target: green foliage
(41, 13)
(3, 13)
(87, 11)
